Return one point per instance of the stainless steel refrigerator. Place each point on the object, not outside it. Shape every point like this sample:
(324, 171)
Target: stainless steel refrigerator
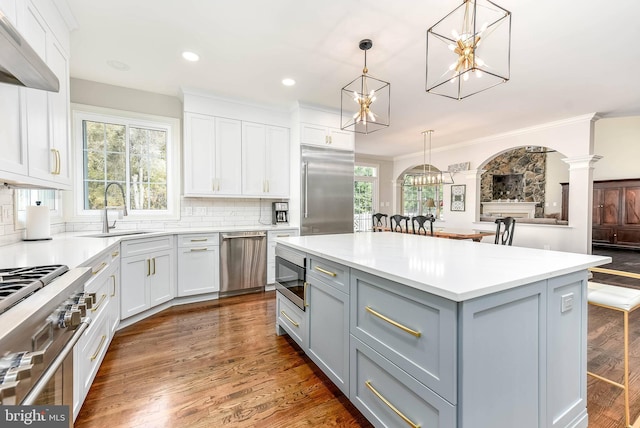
(327, 191)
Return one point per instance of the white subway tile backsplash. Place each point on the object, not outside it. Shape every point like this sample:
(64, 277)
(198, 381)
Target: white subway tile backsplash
(195, 212)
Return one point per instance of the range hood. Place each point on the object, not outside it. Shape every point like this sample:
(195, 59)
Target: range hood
(20, 64)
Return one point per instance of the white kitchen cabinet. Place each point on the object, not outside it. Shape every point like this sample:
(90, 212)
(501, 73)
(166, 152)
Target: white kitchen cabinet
(265, 160)
(12, 129)
(36, 135)
(212, 156)
(198, 264)
(12, 115)
(147, 274)
(59, 114)
(271, 250)
(105, 317)
(326, 136)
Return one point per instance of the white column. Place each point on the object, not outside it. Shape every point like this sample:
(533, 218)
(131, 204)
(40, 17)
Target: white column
(473, 179)
(581, 200)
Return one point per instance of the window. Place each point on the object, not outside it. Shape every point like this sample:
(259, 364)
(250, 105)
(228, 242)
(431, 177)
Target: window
(25, 197)
(421, 200)
(137, 154)
(365, 196)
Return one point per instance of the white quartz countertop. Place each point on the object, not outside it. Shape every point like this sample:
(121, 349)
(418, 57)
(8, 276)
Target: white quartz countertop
(453, 269)
(75, 248)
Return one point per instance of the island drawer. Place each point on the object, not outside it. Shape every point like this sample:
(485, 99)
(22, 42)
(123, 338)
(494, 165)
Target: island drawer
(330, 273)
(414, 330)
(389, 397)
(291, 319)
(198, 240)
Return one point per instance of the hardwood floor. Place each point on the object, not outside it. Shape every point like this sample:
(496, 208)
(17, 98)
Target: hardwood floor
(220, 363)
(212, 364)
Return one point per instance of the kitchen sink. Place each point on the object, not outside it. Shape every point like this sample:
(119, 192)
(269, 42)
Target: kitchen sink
(118, 233)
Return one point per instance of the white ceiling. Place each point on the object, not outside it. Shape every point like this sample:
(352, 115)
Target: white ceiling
(568, 58)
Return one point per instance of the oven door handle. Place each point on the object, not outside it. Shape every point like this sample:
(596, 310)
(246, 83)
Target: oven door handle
(53, 368)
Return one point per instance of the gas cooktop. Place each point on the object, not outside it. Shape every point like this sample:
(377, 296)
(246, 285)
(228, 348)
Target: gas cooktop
(16, 284)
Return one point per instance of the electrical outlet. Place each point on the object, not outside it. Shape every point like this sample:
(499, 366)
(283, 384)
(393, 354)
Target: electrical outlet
(566, 302)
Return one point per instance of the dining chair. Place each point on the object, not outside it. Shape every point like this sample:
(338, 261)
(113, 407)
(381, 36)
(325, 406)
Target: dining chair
(379, 220)
(398, 219)
(421, 220)
(504, 230)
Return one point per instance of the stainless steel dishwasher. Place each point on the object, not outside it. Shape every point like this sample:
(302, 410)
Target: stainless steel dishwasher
(243, 262)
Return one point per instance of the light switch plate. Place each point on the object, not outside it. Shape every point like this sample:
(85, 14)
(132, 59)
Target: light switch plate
(567, 302)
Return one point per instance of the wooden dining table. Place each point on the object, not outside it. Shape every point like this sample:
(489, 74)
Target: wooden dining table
(475, 235)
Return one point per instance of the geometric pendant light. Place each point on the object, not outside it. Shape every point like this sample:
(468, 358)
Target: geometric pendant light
(364, 105)
(469, 50)
(429, 176)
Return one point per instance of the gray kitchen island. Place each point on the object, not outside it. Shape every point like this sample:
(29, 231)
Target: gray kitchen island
(423, 331)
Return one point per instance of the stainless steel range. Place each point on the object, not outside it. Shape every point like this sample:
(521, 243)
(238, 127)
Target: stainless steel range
(42, 315)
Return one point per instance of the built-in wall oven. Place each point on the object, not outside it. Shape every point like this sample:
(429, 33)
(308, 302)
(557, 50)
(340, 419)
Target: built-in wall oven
(291, 276)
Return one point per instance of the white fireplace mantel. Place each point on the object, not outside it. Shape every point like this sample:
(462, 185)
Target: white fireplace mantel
(511, 209)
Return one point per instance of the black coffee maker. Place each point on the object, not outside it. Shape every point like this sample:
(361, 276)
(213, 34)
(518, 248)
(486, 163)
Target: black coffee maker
(280, 212)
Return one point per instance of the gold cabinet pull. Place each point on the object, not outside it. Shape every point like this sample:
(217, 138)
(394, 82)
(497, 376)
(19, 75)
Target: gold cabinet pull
(102, 340)
(198, 239)
(115, 254)
(113, 277)
(95, 308)
(198, 249)
(148, 267)
(295, 324)
(304, 294)
(391, 406)
(394, 323)
(99, 268)
(154, 266)
(56, 169)
(283, 235)
(326, 272)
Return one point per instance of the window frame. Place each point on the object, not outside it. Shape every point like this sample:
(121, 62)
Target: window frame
(171, 125)
(374, 180)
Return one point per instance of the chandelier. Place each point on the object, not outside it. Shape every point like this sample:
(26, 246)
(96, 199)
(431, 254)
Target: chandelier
(429, 175)
(365, 106)
(468, 51)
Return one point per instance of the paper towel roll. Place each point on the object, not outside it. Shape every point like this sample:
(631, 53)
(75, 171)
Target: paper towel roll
(38, 223)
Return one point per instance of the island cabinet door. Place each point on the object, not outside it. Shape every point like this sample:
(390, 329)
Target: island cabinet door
(503, 374)
(328, 336)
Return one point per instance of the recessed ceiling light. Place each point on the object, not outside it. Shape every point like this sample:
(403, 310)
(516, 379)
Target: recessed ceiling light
(118, 65)
(190, 56)
(288, 82)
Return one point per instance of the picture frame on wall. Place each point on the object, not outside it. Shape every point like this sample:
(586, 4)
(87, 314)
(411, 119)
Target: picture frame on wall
(458, 192)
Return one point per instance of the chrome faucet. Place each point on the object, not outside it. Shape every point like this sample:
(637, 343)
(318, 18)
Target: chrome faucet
(105, 224)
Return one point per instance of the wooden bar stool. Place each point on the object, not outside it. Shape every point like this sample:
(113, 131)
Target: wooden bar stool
(625, 300)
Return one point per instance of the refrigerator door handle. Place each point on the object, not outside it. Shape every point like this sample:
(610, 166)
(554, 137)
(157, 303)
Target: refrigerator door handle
(306, 188)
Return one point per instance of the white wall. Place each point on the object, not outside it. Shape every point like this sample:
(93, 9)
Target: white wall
(617, 140)
(572, 137)
(119, 98)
